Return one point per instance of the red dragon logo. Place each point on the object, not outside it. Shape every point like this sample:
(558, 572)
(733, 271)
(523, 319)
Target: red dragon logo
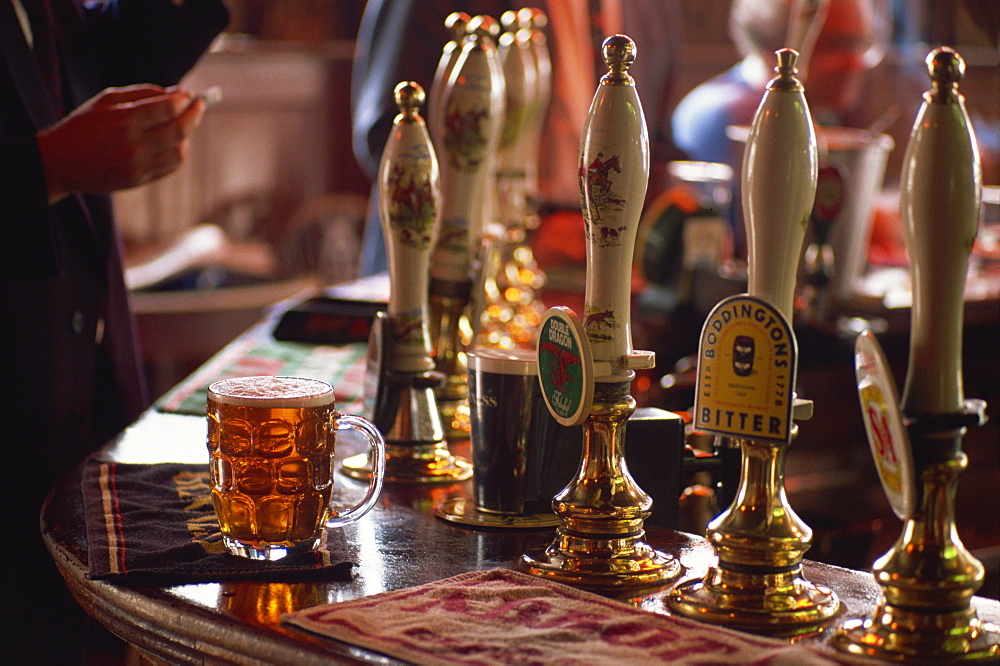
(561, 362)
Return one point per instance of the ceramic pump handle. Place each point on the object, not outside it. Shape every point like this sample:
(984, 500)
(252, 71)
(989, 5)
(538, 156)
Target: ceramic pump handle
(779, 184)
(534, 21)
(473, 103)
(409, 189)
(520, 85)
(939, 199)
(614, 171)
(457, 24)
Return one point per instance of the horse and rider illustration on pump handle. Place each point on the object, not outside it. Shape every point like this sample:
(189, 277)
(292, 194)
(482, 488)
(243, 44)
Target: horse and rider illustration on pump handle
(600, 324)
(600, 198)
(412, 208)
(466, 136)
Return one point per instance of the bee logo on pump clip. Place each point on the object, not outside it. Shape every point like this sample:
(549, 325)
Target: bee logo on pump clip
(743, 351)
(746, 370)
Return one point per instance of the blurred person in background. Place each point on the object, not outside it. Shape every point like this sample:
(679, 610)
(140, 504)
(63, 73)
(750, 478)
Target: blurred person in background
(839, 41)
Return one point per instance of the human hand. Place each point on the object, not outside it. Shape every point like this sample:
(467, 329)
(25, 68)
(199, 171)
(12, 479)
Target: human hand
(120, 138)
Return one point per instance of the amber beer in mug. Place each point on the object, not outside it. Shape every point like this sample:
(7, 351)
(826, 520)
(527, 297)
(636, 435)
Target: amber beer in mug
(271, 443)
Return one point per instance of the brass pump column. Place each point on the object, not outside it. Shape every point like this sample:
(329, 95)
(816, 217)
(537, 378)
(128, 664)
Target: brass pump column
(928, 578)
(586, 369)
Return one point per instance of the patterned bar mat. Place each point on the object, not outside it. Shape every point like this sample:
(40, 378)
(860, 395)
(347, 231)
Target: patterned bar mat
(157, 523)
(501, 616)
(342, 366)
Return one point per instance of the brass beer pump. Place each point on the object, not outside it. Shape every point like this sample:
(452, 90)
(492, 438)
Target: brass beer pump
(600, 544)
(404, 407)
(469, 121)
(760, 542)
(928, 578)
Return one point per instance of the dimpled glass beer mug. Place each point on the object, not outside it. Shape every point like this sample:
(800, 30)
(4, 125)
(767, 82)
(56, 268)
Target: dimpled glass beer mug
(271, 441)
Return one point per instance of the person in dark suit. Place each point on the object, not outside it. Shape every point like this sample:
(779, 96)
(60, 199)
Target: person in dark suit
(88, 105)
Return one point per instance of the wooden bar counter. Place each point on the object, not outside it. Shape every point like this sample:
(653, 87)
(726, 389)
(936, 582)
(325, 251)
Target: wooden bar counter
(401, 543)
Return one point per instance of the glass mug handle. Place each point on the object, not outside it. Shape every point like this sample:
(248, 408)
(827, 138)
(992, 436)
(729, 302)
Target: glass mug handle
(377, 442)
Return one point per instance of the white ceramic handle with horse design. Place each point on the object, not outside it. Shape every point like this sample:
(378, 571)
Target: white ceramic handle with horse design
(521, 89)
(457, 24)
(409, 202)
(472, 103)
(614, 172)
(534, 20)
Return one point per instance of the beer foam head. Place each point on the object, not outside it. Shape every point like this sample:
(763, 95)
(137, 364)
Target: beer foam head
(272, 392)
(523, 362)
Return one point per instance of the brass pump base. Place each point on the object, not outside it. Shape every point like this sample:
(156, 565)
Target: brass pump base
(416, 450)
(898, 634)
(600, 542)
(760, 543)
(623, 562)
(450, 330)
(754, 600)
(928, 577)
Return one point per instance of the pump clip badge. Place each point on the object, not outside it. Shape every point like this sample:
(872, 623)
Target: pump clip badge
(746, 371)
(884, 424)
(565, 366)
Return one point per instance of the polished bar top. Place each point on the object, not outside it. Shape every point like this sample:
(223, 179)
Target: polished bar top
(399, 544)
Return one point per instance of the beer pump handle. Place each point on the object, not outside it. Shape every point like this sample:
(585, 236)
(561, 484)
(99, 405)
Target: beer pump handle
(409, 189)
(521, 91)
(473, 108)
(534, 21)
(614, 170)
(456, 23)
(779, 183)
(941, 190)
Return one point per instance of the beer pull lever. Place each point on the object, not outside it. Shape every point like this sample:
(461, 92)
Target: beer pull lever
(586, 369)
(535, 21)
(457, 24)
(402, 380)
(469, 118)
(746, 384)
(928, 578)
